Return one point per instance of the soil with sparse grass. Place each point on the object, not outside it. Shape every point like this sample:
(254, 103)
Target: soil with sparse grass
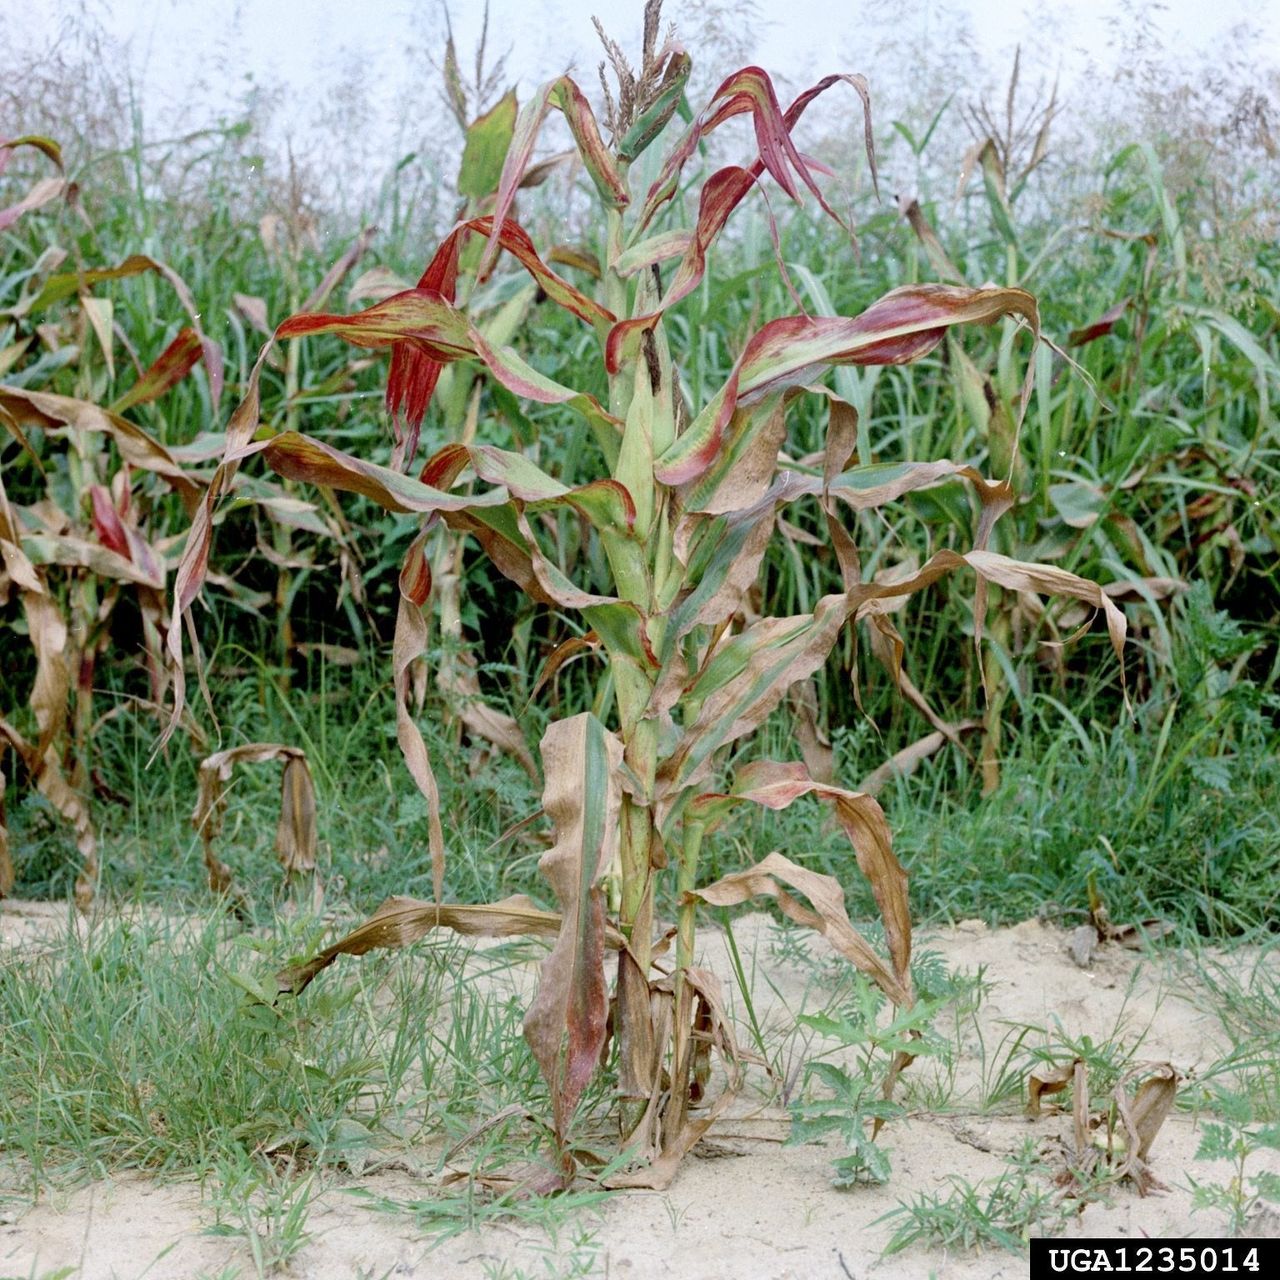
(342, 1117)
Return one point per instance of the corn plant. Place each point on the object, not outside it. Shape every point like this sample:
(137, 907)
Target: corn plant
(682, 509)
(87, 515)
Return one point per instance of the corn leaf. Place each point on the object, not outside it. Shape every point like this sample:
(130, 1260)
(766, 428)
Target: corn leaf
(566, 1024)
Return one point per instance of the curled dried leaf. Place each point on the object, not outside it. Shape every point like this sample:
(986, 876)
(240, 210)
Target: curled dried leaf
(1044, 1082)
(296, 829)
(401, 921)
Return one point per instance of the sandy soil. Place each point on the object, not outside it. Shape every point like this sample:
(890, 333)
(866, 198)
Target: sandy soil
(744, 1205)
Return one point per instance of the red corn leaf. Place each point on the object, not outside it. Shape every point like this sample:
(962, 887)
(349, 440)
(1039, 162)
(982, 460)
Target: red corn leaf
(566, 95)
(904, 325)
(1100, 327)
(426, 331)
(170, 367)
(423, 318)
(64, 285)
(298, 457)
(751, 90)
(107, 523)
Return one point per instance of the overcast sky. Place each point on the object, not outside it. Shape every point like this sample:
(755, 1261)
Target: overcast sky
(297, 42)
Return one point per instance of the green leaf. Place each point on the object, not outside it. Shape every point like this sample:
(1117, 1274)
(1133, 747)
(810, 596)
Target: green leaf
(488, 139)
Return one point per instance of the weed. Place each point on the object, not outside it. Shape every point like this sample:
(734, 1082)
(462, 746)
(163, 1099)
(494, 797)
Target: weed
(266, 1208)
(852, 1106)
(1002, 1213)
(1236, 1136)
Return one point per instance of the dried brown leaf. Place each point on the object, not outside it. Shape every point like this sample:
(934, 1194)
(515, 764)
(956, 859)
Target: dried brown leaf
(296, 829)
(566, 1024)
(1044, 1081)
(827, 914)
(401, 921)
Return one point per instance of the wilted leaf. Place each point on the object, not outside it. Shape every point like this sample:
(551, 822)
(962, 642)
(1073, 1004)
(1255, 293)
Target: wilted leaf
(296, 829)
(409, 643)
(827, 914)
(296, 832)
(565, 1025)
(903, 763)
(1151, 1105)
(1044, 1082)
(401, 921)
(710, 1027)
(751, 90)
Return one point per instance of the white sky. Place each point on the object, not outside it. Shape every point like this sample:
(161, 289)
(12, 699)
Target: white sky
(192, 58)
(295, 40)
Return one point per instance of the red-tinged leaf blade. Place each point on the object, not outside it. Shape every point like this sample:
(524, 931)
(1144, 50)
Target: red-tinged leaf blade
(71, 552)
(169, 368)
(298, 457)
(721, 194)
(106, 521)
(64, 285)
(751, 90)
(522, 379)
(565, 94)
(902, 326)
(1100, 327)
(566, 1024)
(515, 240)
(519, 155)
(421, 317)
(586, 136)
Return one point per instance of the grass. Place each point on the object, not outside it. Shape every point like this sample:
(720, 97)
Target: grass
(144, 1040)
